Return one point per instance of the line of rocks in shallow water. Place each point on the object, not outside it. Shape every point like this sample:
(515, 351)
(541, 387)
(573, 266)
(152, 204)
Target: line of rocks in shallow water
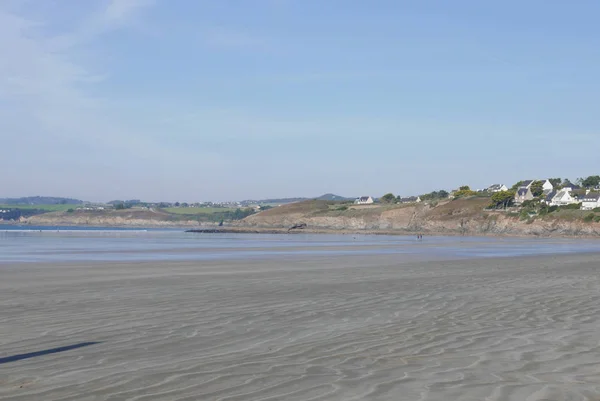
(238, 231)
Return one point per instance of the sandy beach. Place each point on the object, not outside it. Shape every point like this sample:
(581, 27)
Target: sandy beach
(374, 327)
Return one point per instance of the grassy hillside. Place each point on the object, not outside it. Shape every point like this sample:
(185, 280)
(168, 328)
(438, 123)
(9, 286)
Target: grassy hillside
(45, 208)
(463, 208)
(458, 216)
(40, 200)
(197, 210)
(330, 208)
(304, 207)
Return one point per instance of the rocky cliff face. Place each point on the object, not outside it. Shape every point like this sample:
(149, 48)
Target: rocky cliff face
(466, 217)
(109, 219)
(457, 217)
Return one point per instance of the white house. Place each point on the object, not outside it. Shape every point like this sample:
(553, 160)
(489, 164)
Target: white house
(561, 198)
(547, 186)
(364, 200)
(497, 188)
(410, 199)
(590, 201)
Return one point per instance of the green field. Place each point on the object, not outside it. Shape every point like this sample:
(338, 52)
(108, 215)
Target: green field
(47, 208)
(197, 210)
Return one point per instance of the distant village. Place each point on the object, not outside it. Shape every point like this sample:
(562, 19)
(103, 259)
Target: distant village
(552, 192)
(531, 196)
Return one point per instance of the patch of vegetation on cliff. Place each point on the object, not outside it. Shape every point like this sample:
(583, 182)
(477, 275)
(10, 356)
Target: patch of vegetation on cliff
(359, 211)
(210, 214)
(568, 213)
(304, 207)
(463, 208)
(464, 192)
(502, 199)
(192, 211)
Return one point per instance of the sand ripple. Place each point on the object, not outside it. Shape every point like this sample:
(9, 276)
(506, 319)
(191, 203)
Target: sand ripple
(339, 328)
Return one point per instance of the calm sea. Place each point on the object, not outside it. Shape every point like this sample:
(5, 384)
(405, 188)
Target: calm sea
(57, 244)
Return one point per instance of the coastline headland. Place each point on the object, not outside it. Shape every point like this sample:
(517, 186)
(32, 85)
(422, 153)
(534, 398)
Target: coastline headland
(450, 217)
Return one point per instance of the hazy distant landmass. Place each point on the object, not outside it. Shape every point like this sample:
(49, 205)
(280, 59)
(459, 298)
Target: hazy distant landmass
(40, 200)
(333, 197)
(52, 200)
(283, 201)
(279, 201)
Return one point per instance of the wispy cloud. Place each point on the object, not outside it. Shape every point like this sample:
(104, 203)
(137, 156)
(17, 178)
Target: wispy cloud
(40, 77)
(48, 107)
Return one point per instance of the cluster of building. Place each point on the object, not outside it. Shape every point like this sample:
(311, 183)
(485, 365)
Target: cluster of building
(368, 200)
(567, 194)
(92, 207)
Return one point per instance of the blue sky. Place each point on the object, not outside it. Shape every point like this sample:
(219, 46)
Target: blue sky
(189, 100)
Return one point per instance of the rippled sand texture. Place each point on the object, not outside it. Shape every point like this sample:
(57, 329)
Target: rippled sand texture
(339, 328)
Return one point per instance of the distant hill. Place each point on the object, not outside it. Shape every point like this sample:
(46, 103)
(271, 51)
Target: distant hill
(279, 201)
(332, 197)
(40, 200)
(285, 201)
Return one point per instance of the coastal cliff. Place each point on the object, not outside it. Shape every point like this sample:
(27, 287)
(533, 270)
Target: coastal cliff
(111, 218)
(450, 217)
(463, 216)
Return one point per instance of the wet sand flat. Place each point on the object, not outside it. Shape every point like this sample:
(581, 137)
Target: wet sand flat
(375, 327)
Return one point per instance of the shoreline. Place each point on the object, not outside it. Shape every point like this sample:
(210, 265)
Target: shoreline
(282, 230)
(271, 230)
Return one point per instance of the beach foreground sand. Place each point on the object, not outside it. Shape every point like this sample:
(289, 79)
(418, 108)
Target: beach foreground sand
(314, 328)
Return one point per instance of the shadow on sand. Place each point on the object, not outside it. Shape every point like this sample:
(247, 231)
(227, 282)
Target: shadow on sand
(20, 357)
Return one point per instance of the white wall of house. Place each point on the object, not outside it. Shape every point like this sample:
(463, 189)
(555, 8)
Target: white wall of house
(563, 197)
(547, 186)
(589, 205)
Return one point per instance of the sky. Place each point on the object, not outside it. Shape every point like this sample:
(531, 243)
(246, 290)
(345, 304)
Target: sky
(195, 100)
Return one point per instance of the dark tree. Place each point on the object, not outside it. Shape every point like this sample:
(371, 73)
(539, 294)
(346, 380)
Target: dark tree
(591, 182)
(388, 198)
(502, 199)
(537, 188)
(441, 194)
(556, 182)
